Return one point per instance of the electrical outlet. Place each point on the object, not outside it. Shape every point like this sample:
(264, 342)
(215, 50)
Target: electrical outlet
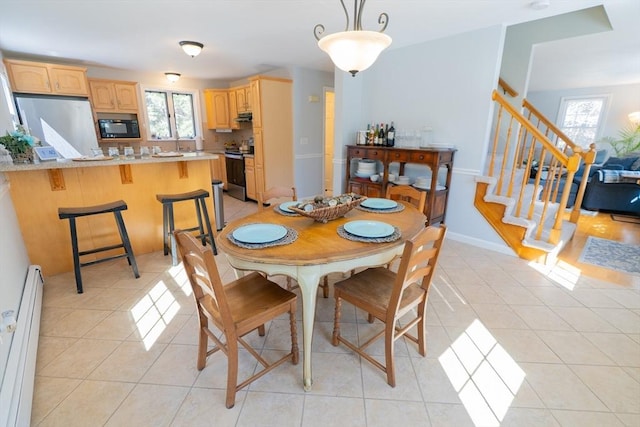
(304, 140)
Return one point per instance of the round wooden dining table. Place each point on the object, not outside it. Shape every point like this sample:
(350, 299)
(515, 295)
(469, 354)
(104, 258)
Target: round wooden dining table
(317, 251)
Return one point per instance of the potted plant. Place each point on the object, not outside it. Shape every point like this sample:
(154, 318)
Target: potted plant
(627, 143)
(19, 144)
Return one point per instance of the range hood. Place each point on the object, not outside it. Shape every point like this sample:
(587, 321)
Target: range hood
(244, 117)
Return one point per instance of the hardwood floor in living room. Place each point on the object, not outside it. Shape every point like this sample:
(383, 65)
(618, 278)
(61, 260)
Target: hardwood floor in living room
(603, 226)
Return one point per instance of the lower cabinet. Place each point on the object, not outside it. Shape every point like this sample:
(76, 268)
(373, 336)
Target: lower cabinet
(250, 177)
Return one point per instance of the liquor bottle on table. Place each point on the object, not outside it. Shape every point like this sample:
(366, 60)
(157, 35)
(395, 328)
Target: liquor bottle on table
(391, 136)
(381, 136)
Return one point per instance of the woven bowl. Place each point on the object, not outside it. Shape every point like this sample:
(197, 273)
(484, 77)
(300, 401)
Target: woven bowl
(327, 214)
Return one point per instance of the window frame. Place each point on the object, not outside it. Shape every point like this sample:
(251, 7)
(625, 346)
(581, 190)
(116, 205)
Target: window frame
(599, 128)
(170, 91)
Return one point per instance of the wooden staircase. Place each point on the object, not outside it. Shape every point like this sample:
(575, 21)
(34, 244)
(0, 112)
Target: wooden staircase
(524, 191)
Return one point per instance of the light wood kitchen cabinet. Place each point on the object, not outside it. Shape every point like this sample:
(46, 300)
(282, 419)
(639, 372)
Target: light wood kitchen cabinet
(256, 103)
(250, 177)
(111, 96)
(43, 78)
(243, 98)
(436, 207)
(272, 109)
(217, 105)
(233, 110)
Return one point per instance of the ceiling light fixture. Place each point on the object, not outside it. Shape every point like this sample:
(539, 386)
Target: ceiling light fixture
(540, 4)
(354, 50)
(634, 118)
(172, 77)
(192, 49)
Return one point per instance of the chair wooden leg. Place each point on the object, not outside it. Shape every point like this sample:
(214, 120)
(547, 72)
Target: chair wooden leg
(294, 335)
(203, 342)
(388, 354)
(325, 287)
(336, 322)
(422, 333)
(370, 318)
(232, 372)
(261, 330)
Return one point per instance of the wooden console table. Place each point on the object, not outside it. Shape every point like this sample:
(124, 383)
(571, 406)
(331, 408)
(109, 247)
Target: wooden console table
(434, 158)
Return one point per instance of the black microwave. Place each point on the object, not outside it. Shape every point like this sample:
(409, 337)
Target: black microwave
(115, 128)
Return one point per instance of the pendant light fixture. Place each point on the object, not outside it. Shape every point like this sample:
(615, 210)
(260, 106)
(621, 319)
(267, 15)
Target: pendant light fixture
(192, 49)
(354, 50)
(172, 77)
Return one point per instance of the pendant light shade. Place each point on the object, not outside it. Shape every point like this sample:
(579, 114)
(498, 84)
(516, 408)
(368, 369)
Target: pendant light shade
(191, 48)
(172, 77)
(354, 50)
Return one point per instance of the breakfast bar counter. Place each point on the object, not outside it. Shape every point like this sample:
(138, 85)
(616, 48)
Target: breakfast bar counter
(38, 190)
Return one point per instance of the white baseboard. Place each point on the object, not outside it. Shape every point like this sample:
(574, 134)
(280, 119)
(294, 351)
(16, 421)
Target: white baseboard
(496, 247)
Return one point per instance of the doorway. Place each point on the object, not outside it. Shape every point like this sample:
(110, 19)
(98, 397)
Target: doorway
(328, 128)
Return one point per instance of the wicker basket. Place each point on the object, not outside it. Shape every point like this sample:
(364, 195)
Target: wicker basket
(330, 213)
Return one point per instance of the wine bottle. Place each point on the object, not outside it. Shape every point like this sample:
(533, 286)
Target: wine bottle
(391, 136)
(381, 136)
(376, 140)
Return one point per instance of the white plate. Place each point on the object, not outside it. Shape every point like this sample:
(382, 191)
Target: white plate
(364, 175)
(377, 203)
(427, 187)
(369, 228)
(286, 205)
(259, 233)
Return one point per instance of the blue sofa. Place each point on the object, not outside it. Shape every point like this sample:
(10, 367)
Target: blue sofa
(611, 190)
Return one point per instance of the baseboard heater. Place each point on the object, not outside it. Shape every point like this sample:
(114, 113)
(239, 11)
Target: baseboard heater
(16, 393)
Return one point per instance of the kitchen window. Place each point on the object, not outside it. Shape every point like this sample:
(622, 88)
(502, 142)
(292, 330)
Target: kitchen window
(580, 118)
(171, 115)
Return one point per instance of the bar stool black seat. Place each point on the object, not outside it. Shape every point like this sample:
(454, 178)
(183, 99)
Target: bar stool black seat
(114, 207)
(167, 200)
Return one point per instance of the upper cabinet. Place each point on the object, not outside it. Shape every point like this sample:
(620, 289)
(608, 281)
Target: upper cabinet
(243, 98)
(111, 96)
(53, 79)
(217, 104)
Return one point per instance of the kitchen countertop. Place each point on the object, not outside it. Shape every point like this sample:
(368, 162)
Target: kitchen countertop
(67, 163)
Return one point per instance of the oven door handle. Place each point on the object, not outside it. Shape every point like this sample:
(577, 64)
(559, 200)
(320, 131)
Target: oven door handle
(234, 156)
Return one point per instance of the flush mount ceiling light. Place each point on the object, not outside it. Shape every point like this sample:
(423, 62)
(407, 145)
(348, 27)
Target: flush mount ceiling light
(354, 50)
(172, 77)
(540, 4)
(191, 48)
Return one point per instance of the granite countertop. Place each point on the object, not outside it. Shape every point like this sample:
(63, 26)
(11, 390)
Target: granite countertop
(68, 164)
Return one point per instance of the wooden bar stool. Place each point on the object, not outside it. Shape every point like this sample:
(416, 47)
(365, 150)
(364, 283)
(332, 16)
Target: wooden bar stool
(167, 200)
(115, 207)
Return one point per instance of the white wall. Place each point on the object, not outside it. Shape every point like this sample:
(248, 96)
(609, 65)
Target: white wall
(14, 260)
(308, 128)
(445, 84)
(624, 99)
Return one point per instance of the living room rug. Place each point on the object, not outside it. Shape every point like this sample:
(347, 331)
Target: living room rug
(605, 253)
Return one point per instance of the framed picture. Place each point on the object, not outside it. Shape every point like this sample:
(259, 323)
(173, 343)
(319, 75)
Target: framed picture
(46, 153)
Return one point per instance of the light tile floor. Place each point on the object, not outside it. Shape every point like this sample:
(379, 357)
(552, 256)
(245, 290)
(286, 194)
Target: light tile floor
(507, 345)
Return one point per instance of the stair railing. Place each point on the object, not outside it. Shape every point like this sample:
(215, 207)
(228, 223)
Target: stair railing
(530, 156)
(558, 137)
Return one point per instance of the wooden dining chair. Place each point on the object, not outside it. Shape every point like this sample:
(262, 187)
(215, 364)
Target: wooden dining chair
(389, 296)
(406, 192)
(235, 309)
(276, 193)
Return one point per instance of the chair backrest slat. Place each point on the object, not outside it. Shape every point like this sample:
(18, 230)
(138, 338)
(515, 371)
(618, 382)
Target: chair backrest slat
(204, 277)
(408, 193)
(417, 265)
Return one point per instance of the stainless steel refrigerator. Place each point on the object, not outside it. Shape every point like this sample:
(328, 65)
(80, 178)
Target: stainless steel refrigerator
(66, 123)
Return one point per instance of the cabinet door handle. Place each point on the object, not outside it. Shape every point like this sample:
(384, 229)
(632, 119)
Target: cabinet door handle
(57, 85)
